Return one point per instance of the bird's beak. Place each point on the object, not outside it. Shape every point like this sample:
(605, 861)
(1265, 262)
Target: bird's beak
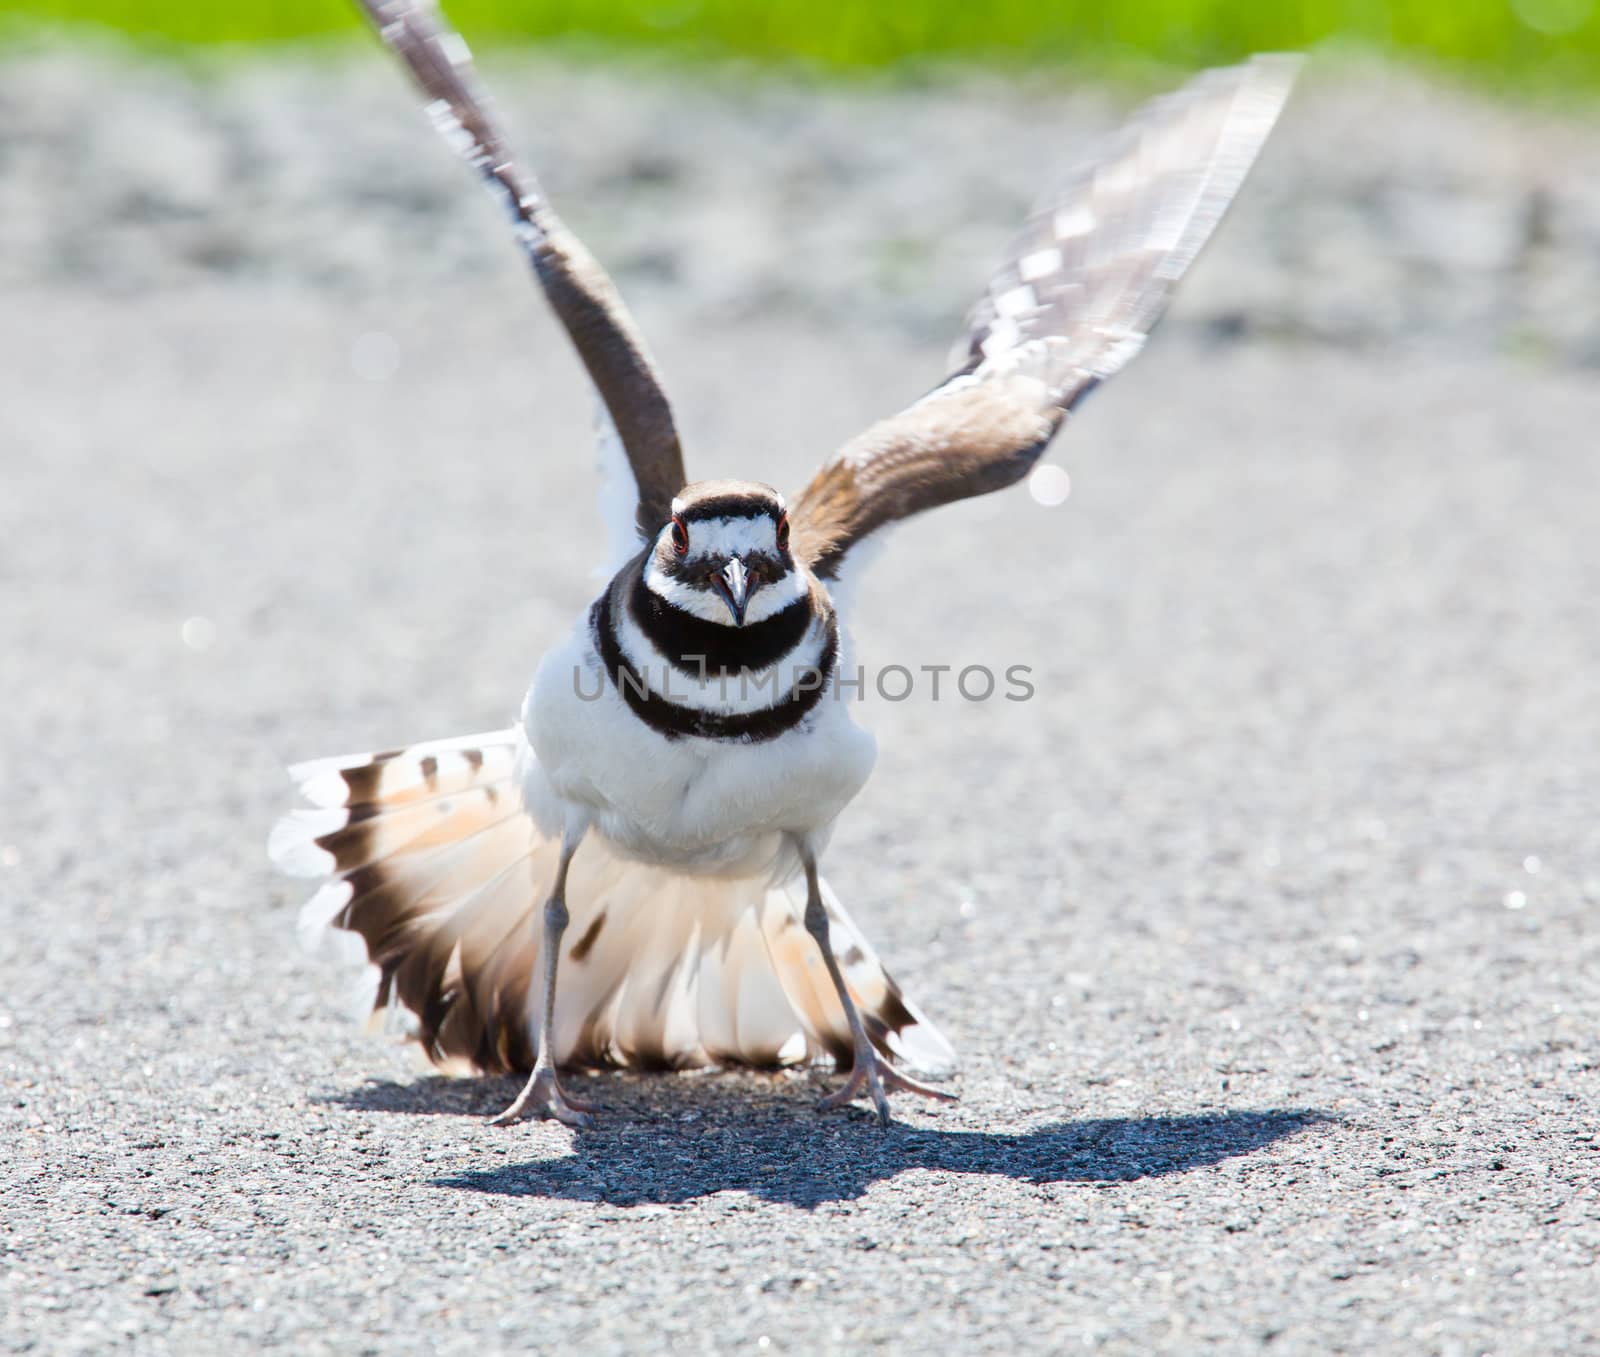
(734, 586)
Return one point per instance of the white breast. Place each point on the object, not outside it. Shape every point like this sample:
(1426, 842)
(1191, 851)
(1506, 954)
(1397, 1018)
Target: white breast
(731, 694)
(708, 805)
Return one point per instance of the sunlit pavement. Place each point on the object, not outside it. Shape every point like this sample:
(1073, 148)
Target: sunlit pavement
(1265, 927)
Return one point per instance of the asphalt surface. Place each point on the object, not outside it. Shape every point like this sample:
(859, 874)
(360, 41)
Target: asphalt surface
(1265, 929)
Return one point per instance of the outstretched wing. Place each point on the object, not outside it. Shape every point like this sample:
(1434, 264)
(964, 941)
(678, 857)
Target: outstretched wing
(579, 290)
(1088, 277)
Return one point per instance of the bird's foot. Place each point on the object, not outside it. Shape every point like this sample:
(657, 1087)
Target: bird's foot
(874, 1075)
(542, 1096)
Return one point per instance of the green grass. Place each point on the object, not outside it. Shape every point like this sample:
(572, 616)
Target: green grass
(1505, 41)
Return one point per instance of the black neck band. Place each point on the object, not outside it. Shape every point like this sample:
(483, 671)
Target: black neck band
(691, 645)
(673, 721)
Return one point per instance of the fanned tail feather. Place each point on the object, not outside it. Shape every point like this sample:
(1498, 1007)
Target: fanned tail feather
(433, 863)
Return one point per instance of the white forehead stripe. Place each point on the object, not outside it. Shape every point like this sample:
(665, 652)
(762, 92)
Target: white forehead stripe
(731, 536)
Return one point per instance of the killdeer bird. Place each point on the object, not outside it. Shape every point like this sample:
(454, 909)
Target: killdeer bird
(630, 875)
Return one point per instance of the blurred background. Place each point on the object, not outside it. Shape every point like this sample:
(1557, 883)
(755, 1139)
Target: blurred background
(1304, 814)
(1500, 41)
(1440, 186)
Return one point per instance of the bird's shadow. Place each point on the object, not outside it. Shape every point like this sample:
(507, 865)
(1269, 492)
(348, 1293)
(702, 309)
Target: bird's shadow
(668, 1141)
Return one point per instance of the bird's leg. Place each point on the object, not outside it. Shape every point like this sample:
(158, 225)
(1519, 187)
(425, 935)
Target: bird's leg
(542, 1094)
(869, 1071)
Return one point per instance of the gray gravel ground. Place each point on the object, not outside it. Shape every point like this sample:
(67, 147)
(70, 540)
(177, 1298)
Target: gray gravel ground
(1265, 929)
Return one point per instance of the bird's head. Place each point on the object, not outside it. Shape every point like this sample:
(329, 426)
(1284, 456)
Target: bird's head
(724, 554)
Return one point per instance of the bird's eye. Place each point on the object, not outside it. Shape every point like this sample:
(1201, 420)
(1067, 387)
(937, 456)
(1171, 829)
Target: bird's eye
(680, 537)
(783, 532)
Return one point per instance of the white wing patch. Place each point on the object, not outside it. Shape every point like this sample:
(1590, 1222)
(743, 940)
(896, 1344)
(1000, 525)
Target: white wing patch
(619, 494)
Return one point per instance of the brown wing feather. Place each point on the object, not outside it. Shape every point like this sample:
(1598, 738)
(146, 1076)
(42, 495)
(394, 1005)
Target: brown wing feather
(1090, 274)
(970, 441)
(579, 290)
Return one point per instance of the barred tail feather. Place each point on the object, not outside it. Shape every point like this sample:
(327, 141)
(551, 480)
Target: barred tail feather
(896, 1025)
(432, 862)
